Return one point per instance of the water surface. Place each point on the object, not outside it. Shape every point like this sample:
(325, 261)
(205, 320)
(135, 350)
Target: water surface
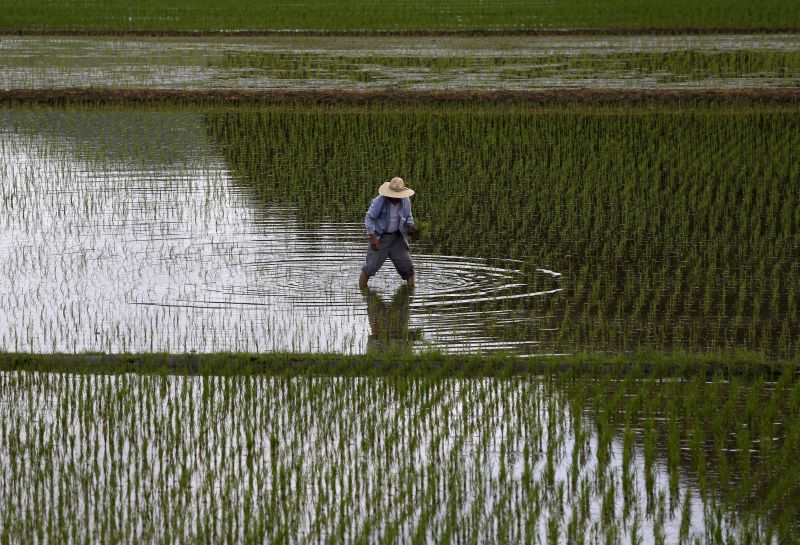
(125, 232)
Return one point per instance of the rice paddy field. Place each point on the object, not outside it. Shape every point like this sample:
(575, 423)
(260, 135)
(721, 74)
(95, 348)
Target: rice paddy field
(602, 344)
(410, 15)
(550, 229)
(397, 458)
(411, 63)
(557, 229)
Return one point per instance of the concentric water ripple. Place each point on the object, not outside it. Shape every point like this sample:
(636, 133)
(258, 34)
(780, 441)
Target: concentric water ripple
(455, 301)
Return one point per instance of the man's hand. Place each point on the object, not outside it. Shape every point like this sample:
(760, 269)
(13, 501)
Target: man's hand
(374, 243)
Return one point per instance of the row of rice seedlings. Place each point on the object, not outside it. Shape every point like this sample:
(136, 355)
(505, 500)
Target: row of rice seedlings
(361, 15)
(57, 63)
(672, 227)
(734, 440)
(433, 63)
(682, 65)
(253, 459)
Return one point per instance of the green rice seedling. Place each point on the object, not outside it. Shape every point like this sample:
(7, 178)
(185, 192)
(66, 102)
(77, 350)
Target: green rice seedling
(636, 537)
(673, 447)
(686, 513)
(649, 460)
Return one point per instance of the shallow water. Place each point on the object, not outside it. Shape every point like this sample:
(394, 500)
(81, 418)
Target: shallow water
(125, 232)
(416, 63)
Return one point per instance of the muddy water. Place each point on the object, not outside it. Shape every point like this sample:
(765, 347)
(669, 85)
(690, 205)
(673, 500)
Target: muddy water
(418, 63)
(124, 232)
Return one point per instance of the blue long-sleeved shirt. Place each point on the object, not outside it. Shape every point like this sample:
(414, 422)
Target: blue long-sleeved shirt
(377, 217)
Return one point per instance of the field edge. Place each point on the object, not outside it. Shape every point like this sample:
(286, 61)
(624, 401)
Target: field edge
(419, 32)
(624, 97)
(430, 364)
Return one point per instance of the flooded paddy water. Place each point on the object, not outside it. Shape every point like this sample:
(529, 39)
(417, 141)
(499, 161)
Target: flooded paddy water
(411, 63)
(126, 232)
(208, 230)
(666, 226)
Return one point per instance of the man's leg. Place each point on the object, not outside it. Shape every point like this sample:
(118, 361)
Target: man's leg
(401, 259)
(373, 263)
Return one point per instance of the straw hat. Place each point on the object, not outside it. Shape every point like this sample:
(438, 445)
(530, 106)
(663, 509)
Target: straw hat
(395, 188)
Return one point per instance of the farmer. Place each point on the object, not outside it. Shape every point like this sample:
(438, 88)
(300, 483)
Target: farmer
(387, 221)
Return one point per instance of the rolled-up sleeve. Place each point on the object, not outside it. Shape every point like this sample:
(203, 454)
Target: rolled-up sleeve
(409, 218)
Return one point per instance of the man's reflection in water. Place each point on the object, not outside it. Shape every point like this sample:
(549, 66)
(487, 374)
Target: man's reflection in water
(389, 323)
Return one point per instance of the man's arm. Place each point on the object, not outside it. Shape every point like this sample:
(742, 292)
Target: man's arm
(372, 213)
(411, 227)
(369, 222)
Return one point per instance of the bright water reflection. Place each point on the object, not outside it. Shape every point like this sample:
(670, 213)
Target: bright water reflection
(124, 232)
